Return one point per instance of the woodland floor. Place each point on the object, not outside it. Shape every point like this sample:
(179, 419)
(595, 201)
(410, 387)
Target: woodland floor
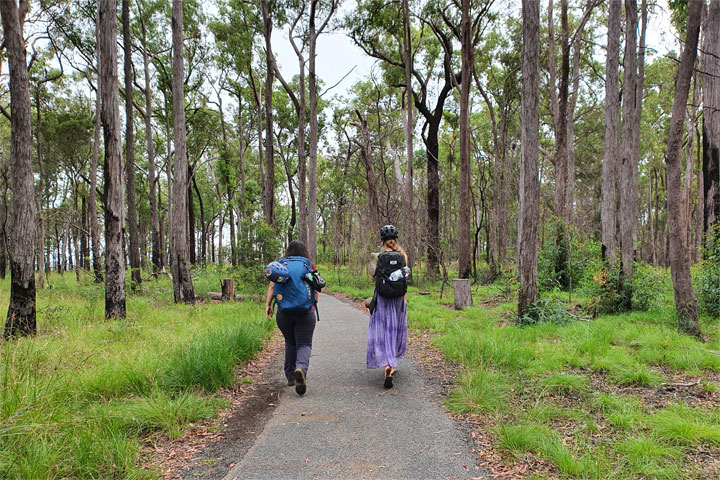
(211, 449)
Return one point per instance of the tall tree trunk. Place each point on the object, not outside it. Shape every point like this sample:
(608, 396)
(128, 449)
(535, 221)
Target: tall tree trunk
(608, 212)
(711, 117)
(464, 267)
(241, 167)
(628, 166)
(3, 222)
(75, 233)
(190, 225)
(202, 223)
(94, 223)
(561, 132)
(241, 158)
(268, 188)
(21, 311)
(228, 180)
(700, 206)
(409, 127)
(366, 157)
(258, 106)
(152, 176)
(432, 146)
(560, 160)
(169, 174)
(114, 175)
(221, 227)
(130, 151)
(529, 198)
(41, 192)
(312, 163)
(301, 107)
(182, 283)
(685, 301)
(571, 104)
(689, 162)
(83, 236)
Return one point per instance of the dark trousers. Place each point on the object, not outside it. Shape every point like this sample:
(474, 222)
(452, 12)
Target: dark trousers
(297, 328)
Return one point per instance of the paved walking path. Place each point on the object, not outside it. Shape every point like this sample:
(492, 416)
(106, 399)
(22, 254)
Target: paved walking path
(347, 426)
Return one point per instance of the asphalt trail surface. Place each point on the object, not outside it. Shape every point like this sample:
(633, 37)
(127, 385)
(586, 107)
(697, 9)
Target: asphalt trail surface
(348, 426)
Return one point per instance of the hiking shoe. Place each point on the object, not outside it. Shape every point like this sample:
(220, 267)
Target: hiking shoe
(300, 386)
(291, 382)
(388, 377)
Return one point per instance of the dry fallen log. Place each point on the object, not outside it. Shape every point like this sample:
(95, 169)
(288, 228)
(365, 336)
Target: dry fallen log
(240, 297)
(691, 384)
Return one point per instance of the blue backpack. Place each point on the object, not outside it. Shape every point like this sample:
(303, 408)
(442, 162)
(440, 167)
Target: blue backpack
(295, 295)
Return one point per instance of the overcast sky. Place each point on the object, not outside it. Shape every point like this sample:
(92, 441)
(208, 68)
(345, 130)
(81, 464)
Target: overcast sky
(337, 54)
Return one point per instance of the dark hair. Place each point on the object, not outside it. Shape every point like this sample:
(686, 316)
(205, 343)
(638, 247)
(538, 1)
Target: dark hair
(296, 248)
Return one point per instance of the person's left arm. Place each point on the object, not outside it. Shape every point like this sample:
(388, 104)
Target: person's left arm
(268, 301)
(406, 262)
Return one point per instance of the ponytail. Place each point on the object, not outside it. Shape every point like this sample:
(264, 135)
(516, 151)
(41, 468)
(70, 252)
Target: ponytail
(392, 244)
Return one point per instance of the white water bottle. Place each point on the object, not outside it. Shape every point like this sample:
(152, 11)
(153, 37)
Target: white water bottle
(396, 275)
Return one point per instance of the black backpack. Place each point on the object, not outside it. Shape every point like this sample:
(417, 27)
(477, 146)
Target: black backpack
(387, 263)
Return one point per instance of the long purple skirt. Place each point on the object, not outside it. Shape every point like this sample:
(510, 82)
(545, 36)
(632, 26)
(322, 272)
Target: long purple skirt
(387, 332)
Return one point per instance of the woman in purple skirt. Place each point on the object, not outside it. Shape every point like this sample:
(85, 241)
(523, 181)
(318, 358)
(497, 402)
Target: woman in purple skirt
(387, 331)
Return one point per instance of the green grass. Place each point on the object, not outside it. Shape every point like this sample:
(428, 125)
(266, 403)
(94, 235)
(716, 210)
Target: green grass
(564, 383)
(479, 391)
(78, 399)
(574, 394)
(680, 425)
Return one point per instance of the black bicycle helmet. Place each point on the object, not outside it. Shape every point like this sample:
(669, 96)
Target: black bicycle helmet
(387, 232)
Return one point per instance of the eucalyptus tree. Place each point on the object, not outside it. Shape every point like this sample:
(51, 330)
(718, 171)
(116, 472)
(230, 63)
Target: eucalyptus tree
(269, 183)
(409, 124)
(376, 27)
(612, 134)
(321, 12)
(21, 311)
(182, 283)
(563, 99)
(133, 245)
(114, 175)
(4, 187)
(685, 300)
(298, 35)
(529, 195)
(711, 117)
(147, 29)
(469, 33)
(627, 172)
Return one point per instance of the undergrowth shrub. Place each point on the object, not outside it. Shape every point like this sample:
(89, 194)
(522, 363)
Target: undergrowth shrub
(564, 264)
(547, 309)
(607, 296)
(707, 277)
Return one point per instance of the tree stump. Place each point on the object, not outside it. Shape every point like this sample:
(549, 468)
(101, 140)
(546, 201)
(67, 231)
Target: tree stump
(228, 289)
(462, 293)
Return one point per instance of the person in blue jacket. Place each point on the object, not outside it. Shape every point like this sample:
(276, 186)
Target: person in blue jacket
(297, 328)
